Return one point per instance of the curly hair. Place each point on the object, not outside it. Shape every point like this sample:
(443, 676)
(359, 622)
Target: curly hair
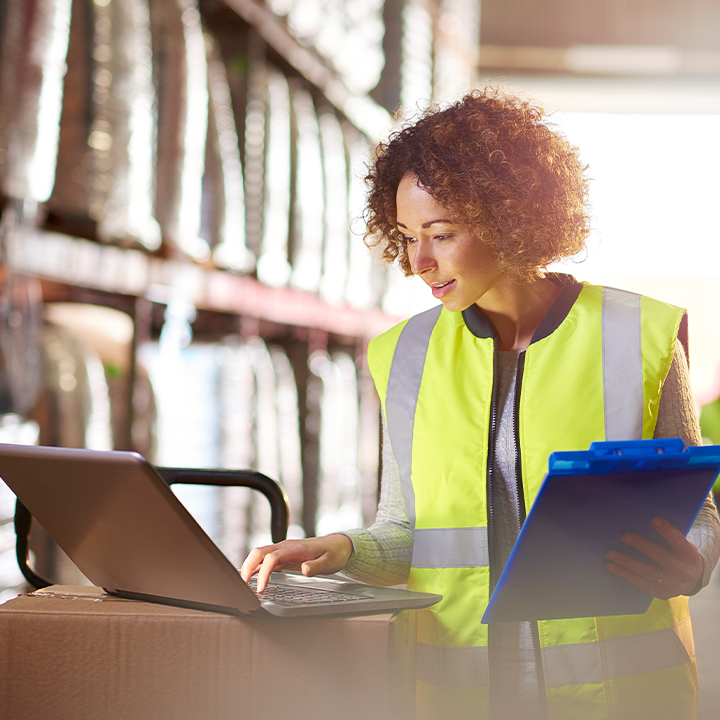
(498, 167)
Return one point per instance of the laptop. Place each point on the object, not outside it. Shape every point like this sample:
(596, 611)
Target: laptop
(127, 532)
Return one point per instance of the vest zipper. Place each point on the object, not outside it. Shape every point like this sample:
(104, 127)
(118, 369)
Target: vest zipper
(522, 514)
(521, 510)
(492, 432)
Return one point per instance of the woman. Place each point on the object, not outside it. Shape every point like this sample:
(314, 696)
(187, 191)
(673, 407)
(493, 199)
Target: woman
(477, 200)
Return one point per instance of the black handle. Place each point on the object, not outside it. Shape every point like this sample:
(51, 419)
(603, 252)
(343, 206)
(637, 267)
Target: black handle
(23, 519)
(279, 507)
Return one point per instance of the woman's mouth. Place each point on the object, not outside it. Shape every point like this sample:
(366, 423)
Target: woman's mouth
(440, 289)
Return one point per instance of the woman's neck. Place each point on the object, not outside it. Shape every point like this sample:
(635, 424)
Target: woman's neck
(517, 309)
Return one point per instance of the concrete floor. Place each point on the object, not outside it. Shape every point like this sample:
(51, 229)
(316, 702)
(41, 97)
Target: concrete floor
(705, 613)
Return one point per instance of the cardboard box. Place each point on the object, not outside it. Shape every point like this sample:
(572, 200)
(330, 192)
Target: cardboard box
(71, 653)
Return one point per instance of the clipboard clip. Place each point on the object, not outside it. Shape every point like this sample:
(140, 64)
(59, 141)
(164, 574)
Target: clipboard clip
(619, 455)
(637, 448)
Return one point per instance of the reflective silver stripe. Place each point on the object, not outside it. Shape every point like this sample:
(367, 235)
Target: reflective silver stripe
(621, 657)
(622, 365)
(402, 395)
(466, 666)
(450, 547)
(572, 664)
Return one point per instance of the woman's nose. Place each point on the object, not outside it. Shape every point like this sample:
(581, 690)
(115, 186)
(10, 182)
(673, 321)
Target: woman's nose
(421, 257)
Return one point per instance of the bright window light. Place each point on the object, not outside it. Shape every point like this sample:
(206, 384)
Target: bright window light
(654, 193)
(654, 197)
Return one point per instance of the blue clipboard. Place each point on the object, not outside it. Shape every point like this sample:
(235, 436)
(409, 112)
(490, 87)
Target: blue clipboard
(587, 501)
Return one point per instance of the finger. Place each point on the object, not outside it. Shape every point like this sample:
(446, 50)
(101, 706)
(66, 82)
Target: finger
(682, 565)
(647, 547)
(320, 566)
(323, 555)
(680, 546)
(677, 541)
(271, 562)
(256, 559)
(676, 578)
(641, 569)
(661, 590)
(252, 563)
(286, 554)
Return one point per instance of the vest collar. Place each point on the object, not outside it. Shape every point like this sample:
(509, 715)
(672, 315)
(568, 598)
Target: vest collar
(479, 324)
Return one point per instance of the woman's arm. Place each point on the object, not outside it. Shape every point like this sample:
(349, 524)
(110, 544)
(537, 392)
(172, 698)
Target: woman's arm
(379, 555)
(677, 418)
(687, 568)
(382, 553)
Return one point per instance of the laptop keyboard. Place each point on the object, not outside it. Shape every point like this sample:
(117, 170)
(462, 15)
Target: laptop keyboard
(289, 595)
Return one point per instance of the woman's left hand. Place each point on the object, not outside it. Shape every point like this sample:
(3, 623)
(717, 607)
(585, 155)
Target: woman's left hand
(680, 568)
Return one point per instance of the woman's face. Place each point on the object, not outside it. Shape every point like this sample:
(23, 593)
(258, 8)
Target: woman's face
(454, 264)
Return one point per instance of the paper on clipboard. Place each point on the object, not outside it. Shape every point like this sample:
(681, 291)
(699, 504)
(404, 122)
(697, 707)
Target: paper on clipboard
(588, 500)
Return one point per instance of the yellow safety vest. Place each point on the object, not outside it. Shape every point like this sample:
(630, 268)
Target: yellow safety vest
(593, 373)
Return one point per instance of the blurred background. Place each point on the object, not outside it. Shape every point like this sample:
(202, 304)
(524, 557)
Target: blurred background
(181, 194)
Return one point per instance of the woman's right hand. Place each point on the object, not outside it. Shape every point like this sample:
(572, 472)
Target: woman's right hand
(312, 556)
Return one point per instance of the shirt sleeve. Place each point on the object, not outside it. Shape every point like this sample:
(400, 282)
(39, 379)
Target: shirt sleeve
(382, 553)
(677, 418)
